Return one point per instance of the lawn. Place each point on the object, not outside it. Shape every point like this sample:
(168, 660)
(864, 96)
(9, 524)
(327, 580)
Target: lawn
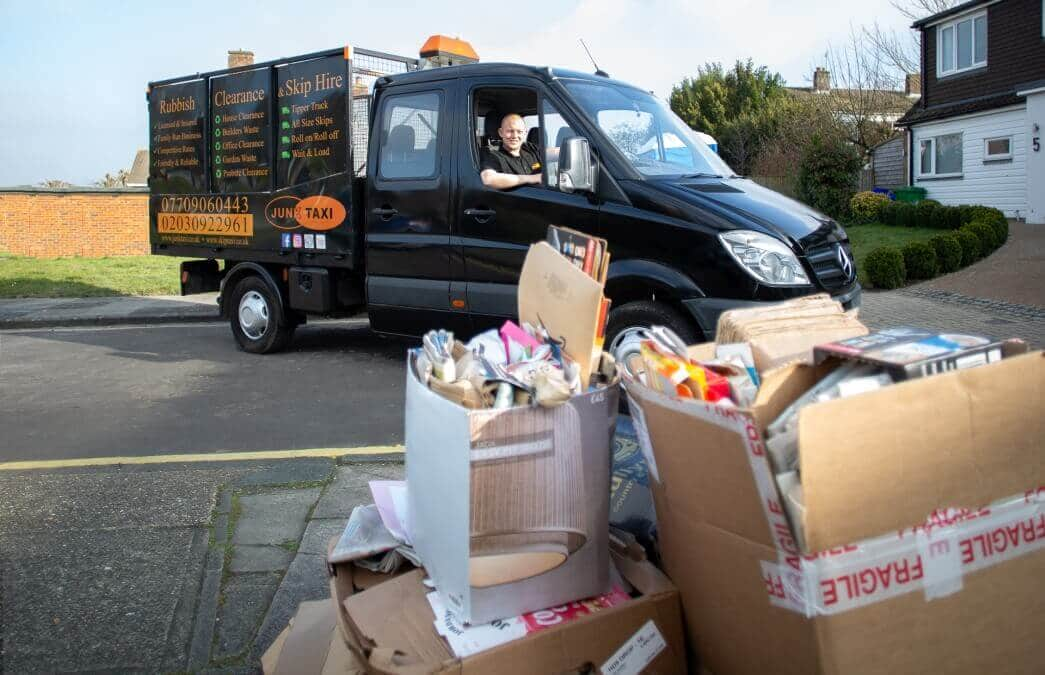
(23, 277)
(866, 238)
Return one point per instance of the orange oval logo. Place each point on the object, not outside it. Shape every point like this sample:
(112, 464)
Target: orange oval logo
(280, 212)
(319, 213)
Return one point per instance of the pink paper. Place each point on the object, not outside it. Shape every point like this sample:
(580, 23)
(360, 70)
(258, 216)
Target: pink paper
(390, 498)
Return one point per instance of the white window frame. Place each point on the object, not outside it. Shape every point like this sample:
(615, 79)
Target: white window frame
(932, 157)
(953, 25)
(987, 157)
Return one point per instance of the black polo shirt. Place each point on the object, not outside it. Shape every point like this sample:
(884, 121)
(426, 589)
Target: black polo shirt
(500, 161)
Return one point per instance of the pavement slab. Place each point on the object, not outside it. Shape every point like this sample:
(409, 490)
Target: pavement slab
(260, 559)
(351, 486)
(35, 502)
(98, 599)
(246, 598)
(305, 580)
(274, 517)
(319, 533)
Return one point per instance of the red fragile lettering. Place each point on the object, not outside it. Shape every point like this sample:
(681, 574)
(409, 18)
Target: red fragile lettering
(1037, 494)
(945, 518)
(754, 439)
(871, 580)
(774, 585)
(727, 413)
(1001, 539)
(784, 539)
(774, 507)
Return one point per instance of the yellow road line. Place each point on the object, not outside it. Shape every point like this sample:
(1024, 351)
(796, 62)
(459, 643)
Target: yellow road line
(202, 457)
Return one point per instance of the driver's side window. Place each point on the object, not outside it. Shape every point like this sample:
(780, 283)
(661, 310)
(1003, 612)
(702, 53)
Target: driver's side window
(556, 131)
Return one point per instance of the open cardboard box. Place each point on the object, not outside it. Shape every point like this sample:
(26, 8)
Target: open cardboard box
(509, 508)
(311, 644)
(392, 631)
(914, 565)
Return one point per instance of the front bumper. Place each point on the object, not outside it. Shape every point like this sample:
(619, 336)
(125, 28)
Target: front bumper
(705, 311)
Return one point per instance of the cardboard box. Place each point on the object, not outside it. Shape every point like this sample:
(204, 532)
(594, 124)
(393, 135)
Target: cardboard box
(923, 507)
(346, 578)
(311, 644)
(509, 508)
(394, 633)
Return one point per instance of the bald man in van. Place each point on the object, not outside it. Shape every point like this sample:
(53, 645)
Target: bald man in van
(516, 162)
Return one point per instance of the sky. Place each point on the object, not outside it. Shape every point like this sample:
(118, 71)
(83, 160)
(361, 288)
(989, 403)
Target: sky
(74, 73)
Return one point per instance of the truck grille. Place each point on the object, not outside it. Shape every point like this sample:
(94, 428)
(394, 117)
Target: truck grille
(828, 267)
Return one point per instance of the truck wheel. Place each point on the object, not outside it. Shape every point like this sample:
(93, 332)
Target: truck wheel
(258, 321)
(622, 333)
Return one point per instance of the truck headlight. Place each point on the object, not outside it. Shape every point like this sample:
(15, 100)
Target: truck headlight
(765, 258)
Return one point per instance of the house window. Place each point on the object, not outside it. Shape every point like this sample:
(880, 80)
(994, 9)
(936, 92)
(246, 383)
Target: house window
(961, 45)
(940, 156)
(997, 148)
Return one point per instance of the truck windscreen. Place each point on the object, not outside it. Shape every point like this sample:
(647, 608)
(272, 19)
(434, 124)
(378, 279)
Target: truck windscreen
(654, 140)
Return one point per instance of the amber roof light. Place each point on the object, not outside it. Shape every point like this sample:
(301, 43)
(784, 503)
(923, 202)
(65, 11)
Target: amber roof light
(441, 44)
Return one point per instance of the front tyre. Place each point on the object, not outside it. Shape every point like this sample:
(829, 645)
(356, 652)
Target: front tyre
(258, 321)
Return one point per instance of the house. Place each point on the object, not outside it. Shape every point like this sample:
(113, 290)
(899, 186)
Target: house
(879, 106)
(975, 135)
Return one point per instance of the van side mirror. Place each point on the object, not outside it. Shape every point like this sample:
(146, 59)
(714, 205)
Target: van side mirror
(576, 171)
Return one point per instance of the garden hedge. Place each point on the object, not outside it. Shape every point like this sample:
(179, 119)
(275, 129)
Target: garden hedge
(987, 234)
(948, 252)
(866, 207)
(885, 267)
(970, 244)
(919, 259)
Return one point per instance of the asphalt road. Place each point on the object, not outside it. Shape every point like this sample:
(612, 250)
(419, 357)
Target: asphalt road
(173, 389)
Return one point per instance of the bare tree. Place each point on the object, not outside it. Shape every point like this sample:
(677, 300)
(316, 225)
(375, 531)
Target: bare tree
(900, 51)
(113, 181)
(864, 96)
(53, 183)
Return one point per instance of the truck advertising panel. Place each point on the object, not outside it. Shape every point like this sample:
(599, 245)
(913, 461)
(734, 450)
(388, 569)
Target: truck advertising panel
(254, 163)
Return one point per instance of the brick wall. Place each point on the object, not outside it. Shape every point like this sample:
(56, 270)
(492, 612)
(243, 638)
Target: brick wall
(70, 222)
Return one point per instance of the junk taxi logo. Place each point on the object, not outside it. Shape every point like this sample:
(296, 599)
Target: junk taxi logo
(312, 213)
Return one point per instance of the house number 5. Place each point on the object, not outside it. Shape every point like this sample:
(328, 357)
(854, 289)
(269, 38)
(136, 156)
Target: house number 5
(1036, 141)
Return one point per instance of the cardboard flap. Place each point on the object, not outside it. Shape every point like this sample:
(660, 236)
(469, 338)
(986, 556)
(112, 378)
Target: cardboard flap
(704, 467)
(396, 616)
(559, 295)
(886, 460)
(306, 646)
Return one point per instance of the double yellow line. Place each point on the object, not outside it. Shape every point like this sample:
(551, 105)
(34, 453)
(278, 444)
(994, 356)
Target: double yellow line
(203, 457)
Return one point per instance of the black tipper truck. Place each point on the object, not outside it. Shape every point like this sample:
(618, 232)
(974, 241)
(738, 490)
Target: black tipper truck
(347, 181)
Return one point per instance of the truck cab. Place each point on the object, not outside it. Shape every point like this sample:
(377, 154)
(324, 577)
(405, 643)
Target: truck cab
(425, 244)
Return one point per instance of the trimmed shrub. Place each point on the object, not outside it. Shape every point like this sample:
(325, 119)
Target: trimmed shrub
(827, 175)
(988, 237)
(970, 244)
(866, 207)
(919, 258)
(888, 214)
(885, 267)
(907, 215)
(948, 252)
(946, 218)
(994, 218)
(926, 207)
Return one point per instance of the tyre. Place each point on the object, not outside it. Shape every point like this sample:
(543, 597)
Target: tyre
(259, 322)
(627, 318)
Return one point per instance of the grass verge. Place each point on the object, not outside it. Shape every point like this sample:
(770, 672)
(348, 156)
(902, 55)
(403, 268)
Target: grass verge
(866, 238)
(25, 277)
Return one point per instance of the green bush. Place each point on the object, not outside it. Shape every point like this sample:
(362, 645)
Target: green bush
(986, 233)
(946, 218)
(926, 207)
(970, 244)
(919, 258)
(827, 175)
(906, 215)
(992, 217)
(887, 214)
(948, 252)
(866, 207)
(885, 267)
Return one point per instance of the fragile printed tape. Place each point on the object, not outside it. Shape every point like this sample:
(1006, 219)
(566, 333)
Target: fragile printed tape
(932, 558)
